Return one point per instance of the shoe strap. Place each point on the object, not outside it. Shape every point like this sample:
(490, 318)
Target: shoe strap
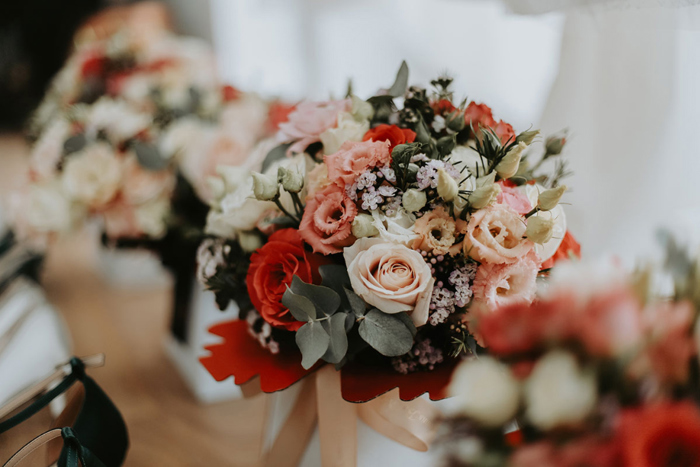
(71, 372)
(77, 455)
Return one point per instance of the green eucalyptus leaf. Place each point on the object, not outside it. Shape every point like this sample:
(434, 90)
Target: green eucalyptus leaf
(301, 307)
(338, 346)
(357, 304)
(400, 85)
(386, 333)
(446, 144)
(148, 156)
(408, 322)
(313, 341)
(325, 299)
(277, 153)
(74, 144)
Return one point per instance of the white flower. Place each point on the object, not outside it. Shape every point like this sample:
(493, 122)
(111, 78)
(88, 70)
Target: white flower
(558, 392)
(42, 208)
(547, 250)
(397, 228)
(348, 129)
(465, 156)
(511, 161)
(414, 200)
(183, 137)
(485, 390)
(93, 175)
(539, 229)
(151, 217)
(119, 120)
(485, 191)
(447, 186)
(363, 226)
(47, 151)
(549, 199)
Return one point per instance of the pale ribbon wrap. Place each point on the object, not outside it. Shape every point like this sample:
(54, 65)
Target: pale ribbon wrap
(320, 400)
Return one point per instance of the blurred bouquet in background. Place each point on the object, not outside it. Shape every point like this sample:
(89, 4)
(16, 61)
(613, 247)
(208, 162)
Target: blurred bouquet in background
(601, 371)
(371, 235)
(128, 133)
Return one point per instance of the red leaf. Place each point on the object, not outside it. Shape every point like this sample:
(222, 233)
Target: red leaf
(241, 356)
(361, 383)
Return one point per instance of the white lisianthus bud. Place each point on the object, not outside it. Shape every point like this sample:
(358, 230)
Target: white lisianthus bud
(528, 137)
(265, 187)
(447, 186)
(485, 391)
(413, 200)
(291, 180)
(549, 199)
(217, 187)
(558, 392)
(363, 226)
(485, 193)
(361, 109)
(249, 241)
(539, 229)
(511, 161)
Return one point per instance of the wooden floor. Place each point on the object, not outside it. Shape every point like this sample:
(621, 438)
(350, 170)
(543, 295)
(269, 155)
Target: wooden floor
(166, 426)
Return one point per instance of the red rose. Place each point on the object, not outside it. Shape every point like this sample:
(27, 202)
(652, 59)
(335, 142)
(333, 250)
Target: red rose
(391, 133)
(664, 435)
(93, 66)
(443, 107)
(229, 93)
(278, 113)
(480, 115)
(569, 247)
(271, 270)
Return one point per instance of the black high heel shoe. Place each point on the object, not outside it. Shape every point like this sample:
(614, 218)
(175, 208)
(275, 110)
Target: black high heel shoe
(90, 425)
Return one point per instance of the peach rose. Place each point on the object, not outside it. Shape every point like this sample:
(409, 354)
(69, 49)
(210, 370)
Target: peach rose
(353, 158)
(142, 185)
(327, 221)
(437, 231)
(391, 277)
(306, 123)
(497, 285)
(495, 235)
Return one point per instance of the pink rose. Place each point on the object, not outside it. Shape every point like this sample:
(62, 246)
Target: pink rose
(120, 220)
(514, 198)
(306, 123)
(353, 158)
(497, 285)
(495, 235)
(391, 277)
(327, 221)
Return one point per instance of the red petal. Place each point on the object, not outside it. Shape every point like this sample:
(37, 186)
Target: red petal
(362, 383)
(241, 356)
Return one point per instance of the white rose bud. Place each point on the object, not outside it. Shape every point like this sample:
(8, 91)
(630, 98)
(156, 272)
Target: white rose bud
(363, 226)
(413, 200)
(265, 187)
(249, 241)
(485, 391)
(511, 161)
(447, 186)
(361, 109)
(528, 137)
(291, 179)
(539, 229)
(549, 199)
(485, 193)
(558, 392)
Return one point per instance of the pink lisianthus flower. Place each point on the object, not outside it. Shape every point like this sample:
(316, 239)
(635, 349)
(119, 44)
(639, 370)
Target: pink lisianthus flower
(514, 198)
(306, 123)
(495, 235)
(354, 158)
(327, 221)
(497, 285)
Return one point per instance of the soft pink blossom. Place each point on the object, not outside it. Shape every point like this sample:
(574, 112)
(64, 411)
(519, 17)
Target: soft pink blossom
(497, 285)
(495, 235)
(305, 125)
(514, 198)
(142, 185)
(353, 158)
(327, 221)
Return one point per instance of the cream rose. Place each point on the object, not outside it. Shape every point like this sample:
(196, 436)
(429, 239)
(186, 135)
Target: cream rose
(391, 277)
(93, 175)
(495, 235)
(348, 129)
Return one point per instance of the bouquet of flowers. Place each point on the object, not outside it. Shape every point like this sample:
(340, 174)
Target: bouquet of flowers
(127, 131)
(373, 234)
(600, 372)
